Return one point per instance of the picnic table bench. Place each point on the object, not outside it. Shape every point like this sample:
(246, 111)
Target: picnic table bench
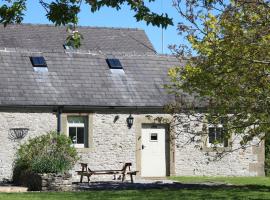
(126, 170)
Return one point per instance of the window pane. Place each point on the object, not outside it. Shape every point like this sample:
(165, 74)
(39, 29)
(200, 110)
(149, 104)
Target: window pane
(211, 135)
(72, 134)
(225, 138)
(38, 61)
(154, 136)
(76, 119)
(80, 135)
(219, 135)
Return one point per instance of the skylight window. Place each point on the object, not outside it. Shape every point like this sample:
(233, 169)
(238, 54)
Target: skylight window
(39, 64)
(114, 63)
(38, 61)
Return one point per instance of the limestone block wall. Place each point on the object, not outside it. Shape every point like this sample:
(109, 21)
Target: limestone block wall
(190, 161)
(37, 123)
(113, 142)
(55, 182)
(194, 159)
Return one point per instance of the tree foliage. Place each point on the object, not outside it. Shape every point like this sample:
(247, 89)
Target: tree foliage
(63, 12)
(229, 62)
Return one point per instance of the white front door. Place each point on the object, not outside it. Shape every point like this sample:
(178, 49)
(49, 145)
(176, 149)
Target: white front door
(153, 155)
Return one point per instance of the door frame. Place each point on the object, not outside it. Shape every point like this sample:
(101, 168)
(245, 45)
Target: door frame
(169, 143)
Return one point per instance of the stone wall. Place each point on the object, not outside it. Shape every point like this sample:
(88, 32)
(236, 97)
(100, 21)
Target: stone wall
(37, 123)
(193, 158)
(192, 161)
(46, 182)
(56, 182)
(113, 142)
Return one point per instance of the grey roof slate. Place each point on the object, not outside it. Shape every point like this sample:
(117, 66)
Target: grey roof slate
(81, 77)
(49, 37)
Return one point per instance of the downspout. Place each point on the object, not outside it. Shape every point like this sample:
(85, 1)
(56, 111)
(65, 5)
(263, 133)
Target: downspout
(59, 126)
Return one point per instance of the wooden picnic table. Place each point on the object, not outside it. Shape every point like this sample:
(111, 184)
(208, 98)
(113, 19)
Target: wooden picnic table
(125, 170)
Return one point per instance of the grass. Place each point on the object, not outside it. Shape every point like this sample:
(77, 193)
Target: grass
(255, 181)
(154, 194)
(244, 188)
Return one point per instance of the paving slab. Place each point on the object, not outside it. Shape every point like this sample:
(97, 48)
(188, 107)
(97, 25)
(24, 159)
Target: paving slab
(13, 189)
(145, 184)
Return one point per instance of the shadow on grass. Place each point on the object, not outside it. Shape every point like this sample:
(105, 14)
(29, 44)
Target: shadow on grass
(148, 191)
(174, 190)
(174, 185)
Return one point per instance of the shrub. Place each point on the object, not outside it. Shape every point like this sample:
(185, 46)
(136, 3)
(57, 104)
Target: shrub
(50, 153)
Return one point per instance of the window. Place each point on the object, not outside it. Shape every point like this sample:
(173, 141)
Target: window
(115, 66)
(114, 63)
(153, 137)
(39, 64)
(38, 61)
(217, 136)
(77, 130)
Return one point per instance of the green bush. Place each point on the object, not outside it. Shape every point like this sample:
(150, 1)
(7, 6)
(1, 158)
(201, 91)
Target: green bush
(50, 153)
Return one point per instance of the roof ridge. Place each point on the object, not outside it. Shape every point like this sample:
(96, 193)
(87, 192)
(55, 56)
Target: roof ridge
(79, 26)
(83, 52)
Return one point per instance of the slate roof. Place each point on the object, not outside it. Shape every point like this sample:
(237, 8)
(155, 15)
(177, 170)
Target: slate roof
(82, 78)
(49, 37)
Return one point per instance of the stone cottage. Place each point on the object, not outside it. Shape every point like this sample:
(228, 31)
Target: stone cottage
(105, 96)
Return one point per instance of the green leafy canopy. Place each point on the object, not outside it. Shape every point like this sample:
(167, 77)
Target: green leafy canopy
(230, 66)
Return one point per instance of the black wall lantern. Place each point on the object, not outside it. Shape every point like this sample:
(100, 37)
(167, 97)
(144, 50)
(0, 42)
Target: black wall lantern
(130, 120)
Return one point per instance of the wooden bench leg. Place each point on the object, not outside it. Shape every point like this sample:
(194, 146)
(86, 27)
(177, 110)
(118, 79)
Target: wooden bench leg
(123, 177)
(131, 178)
(81, 179)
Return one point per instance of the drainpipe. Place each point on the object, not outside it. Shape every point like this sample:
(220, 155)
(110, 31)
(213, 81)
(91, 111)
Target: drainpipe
(59, 112)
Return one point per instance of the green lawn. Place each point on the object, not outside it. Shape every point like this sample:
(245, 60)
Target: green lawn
(144, 194)
(259, 181)
(244, 188)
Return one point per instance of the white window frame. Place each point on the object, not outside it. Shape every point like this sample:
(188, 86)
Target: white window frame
(77, 125)
(211, 144)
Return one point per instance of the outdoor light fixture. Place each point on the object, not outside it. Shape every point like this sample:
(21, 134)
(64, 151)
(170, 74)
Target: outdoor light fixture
(130, 121)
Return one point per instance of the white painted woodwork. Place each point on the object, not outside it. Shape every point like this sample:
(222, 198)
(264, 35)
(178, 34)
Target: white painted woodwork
(153, 156)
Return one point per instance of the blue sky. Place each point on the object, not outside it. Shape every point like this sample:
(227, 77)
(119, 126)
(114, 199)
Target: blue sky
(108, 17)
